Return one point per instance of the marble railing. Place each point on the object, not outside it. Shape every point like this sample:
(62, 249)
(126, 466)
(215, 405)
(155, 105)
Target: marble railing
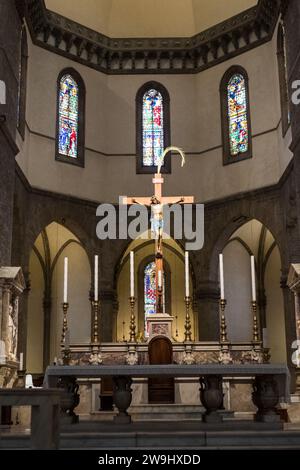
(270, 385)
(45, 413)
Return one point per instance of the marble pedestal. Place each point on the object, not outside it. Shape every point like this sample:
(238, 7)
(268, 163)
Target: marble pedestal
(160, 324)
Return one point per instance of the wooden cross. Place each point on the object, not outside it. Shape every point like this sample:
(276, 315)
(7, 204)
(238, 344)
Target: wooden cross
(156, 202)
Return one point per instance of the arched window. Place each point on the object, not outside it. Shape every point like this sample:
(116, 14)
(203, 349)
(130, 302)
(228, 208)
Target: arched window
(236, 126)
(70, 117)
(283, 80)
(153, 127)
(21, 118)
(150, 291)
(149, 288)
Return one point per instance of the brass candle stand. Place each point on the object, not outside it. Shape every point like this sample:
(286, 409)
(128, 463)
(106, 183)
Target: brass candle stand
(256, 338)
(187, 325)
(95, 304)
(132, 332)
(65, 307)
(223, 326)
(66, 353)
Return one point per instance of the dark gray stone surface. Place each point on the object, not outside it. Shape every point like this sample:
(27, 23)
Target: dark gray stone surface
(280, 372)
(45, 413)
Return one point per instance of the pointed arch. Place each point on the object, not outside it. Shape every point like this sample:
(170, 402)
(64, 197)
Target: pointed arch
(70, 118)
(152, 127)
(235, 112)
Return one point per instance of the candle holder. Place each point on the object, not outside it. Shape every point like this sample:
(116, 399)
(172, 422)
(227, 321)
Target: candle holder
(223, 326)
(187, 325)
(65, 307)
(95, 304)
(256, 338)
(132, 333)
(21, 378)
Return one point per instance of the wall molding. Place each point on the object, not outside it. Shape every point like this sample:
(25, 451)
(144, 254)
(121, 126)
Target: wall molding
(182, 55)
(215, 203)
(128, 154)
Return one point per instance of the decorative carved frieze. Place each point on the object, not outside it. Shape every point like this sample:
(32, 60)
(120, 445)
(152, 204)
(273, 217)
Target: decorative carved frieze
(234, 36)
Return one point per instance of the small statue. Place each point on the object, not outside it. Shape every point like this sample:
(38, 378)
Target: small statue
(188, 355)
(252, 356)
(131, 357)
(225, 357)
(95, 359)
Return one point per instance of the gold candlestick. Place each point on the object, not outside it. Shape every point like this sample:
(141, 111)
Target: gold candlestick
(255, 322)
(187, 325)
(65, 307)
(223, 326)
(132, 333)
(95, 304)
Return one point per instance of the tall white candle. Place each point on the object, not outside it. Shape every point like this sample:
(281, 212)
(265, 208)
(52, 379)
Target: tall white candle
(21, 361)
(221, 266)
(131, 274)
(159, 279)
(66, 281)
(187, 275)
(96, 278)
(253, 282)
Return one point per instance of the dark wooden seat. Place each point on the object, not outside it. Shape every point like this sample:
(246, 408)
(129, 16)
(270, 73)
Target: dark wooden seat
(160, 390)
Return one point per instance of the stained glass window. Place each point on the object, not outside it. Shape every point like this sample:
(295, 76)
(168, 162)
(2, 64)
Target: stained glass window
(150, 291)
(68, 117)
(153, 127)
(149, 288)
(237, 115)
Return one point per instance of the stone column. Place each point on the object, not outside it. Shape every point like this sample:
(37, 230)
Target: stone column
(5, 333)
(293, 282)
(22, 321)
(107, 315)
(207, 299)
(47, 307)
(1, 293)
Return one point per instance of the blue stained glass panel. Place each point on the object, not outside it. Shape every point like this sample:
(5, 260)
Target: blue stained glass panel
(153, 127)
(68, 117)
(149, 289)
(237, 115)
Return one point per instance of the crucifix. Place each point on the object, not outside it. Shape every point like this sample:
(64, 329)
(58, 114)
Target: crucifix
(156, 202)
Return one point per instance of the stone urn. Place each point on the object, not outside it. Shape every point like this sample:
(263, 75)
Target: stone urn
(265, 397)
(122, 398)
(69, 398)
(211, 396)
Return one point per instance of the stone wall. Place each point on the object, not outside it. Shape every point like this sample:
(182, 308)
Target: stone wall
(10, 28)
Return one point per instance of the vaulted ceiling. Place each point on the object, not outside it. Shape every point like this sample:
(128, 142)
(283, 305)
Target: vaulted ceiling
(149, 18)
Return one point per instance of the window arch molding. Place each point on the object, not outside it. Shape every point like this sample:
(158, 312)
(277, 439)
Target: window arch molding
(140, 167)
(79, 160)
(228, 75)
(283, 79)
